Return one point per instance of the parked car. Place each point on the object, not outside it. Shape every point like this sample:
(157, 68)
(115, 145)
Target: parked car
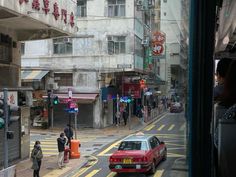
(138, 153)
(176, 107)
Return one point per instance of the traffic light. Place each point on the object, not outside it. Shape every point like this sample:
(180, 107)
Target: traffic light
(55, 100)
(2, 121)
(13, 113)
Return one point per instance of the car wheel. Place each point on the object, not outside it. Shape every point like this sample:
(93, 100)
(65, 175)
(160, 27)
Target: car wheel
(153, 168)
(165, 156)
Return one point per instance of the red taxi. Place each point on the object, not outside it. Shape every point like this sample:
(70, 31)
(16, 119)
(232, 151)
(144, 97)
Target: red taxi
(138, 153)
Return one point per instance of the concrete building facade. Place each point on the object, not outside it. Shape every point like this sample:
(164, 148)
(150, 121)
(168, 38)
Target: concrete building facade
(22, 20)
(111, 44)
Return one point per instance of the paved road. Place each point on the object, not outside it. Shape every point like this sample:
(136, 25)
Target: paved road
(169, 128)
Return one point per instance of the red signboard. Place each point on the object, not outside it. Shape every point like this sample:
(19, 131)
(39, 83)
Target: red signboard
(157, 48)
(158, 37)
(132, 89)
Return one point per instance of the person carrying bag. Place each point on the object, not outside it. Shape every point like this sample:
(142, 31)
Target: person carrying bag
(36, 156)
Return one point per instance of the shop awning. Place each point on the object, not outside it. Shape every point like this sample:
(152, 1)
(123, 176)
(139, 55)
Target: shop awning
(76, 97)
(32, 75)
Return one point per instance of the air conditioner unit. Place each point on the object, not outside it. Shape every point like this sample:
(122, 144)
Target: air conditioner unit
(139, 2)
(145, 42)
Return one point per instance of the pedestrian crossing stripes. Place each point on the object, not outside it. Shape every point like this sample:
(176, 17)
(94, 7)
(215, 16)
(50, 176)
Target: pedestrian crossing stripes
(164, 127)
(171, 127)
(161, 127)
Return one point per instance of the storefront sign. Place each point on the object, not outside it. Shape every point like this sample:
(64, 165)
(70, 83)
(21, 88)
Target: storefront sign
(56, 11)
(132, 89)
(12, 97)
(158, 43)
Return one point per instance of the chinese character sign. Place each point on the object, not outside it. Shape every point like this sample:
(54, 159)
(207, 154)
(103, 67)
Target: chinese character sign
(56, 11)
(158, 43)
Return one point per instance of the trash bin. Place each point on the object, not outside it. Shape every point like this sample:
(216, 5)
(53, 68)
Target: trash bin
(75, 153)
(66, 154)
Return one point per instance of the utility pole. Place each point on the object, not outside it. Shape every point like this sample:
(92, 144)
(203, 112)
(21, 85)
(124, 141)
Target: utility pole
(5, 94)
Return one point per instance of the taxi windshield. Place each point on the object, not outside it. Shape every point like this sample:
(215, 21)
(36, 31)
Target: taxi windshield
(133, 145)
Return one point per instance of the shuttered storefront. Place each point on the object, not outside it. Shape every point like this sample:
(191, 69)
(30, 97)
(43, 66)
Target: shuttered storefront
(13, 144)
(84, 118)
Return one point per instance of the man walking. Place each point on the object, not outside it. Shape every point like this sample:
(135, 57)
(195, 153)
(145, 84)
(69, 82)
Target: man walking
(61, 141)
(69, 133)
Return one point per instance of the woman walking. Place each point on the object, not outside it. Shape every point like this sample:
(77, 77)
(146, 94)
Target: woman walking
(36, 156)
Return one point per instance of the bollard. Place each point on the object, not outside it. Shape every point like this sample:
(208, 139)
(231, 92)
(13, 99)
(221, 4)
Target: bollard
(75, 153)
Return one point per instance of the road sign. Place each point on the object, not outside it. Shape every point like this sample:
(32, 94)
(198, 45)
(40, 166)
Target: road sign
(70, 93)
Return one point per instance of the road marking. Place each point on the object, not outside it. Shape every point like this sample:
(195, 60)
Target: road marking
(158, 173)
(173, 144)
(109, 148)
(161, 127)
(84, 169)
(111, 174)
(182, 128)
(57, 172)
(171, 127)
(94, 172)
(175, 155)
(148, 128)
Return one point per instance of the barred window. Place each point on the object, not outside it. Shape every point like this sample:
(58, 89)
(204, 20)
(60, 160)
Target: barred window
(82, 8)
(116, 44)
(64, 79)
(116, 8)
(62, 46)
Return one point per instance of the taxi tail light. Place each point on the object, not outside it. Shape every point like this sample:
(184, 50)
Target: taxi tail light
(113, 159)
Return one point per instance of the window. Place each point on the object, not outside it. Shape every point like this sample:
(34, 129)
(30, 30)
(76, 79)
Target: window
(64, 79)
(116, 8)
(62, 46)
(153, 142)
(116, 44)
(164, 13)
(133, 145)
(5, 48)
(165, 1)
(22, 48)
(82, 8)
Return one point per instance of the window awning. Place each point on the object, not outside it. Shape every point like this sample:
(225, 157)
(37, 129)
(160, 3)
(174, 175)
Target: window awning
(32, 75)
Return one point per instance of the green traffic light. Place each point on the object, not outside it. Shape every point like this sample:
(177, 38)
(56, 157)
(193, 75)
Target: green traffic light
(2, 123)
(55, 101)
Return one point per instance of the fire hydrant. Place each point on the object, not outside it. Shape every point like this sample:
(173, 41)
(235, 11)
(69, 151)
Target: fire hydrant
(66, 154)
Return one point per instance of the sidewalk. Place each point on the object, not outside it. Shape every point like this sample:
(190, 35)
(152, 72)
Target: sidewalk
(49, 164)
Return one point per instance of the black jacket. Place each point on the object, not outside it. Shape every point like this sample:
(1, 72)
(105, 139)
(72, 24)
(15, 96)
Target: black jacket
(61, 144)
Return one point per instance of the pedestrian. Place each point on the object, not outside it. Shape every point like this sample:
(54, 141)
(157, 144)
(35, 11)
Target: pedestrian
(69, 133)
(36, 156)
(228, 101)
(61, 141)
(125, 116)
(221, 71)
(117, 121)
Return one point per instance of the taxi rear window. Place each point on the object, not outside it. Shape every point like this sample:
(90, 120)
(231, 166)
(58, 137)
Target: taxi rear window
(133, 145)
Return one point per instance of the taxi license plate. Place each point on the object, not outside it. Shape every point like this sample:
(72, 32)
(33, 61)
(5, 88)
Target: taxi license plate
(127, 161)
